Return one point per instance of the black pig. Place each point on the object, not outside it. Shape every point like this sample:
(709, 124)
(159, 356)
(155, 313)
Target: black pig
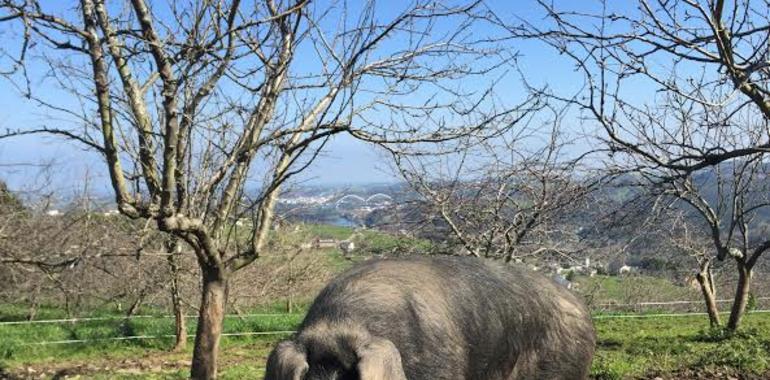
(438, 318)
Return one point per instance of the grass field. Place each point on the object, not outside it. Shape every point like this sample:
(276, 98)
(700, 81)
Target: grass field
(627, 348)
(634, 288)
(670, 347)
(676, 346)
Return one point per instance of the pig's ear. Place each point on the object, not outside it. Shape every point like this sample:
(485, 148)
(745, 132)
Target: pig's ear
(286, 362)
(379, 359)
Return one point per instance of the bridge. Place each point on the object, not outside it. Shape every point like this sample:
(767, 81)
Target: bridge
(365, 201)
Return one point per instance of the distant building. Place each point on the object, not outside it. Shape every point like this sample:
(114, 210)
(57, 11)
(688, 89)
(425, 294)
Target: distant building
(324, 243)
(53, 212)
(618, 267)
(584, 270)
(578, 269)
(347, 247)
(625, 269)
(305, 200)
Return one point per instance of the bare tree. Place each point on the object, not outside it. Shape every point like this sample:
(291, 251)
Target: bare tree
(675, 88)
(711, 54)
(687, 237)
(292, 273)
(75, 258)
(202, 110)
(173, 247)
(729, 200)
(505, 198)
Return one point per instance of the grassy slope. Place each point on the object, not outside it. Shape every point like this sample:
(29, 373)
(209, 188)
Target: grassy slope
(626, 348)
(650, 346)
(629, 288)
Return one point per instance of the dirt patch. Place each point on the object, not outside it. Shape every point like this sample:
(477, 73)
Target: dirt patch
(150, 363)
(708, 374)
(155, 363)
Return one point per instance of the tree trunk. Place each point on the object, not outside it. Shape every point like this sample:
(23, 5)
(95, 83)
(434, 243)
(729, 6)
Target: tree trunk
(176, 300)
(136, 304)
(290, 299)
(32, 312)
(741, 296)
(210, 318)
(706, 281)
(180, 325)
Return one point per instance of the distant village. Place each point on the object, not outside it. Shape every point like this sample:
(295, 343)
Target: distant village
(344, 208)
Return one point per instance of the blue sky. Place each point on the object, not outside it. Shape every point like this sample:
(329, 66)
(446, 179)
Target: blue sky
(345, 160)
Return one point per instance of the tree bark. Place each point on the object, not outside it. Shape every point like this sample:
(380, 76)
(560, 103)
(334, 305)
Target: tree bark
(179, 323)
(136, 304)
(210, 318)
(290, 299)
(741, 296)
(706, 282)
(176, 300)
(32, 312)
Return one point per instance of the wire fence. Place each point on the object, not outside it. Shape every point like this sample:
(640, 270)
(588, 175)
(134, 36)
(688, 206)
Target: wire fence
(123, 319)
(287, 332)
(141, 337)
(666, 315)
(598, 316)
(685, 306)
(598, 308)
(129, 317)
